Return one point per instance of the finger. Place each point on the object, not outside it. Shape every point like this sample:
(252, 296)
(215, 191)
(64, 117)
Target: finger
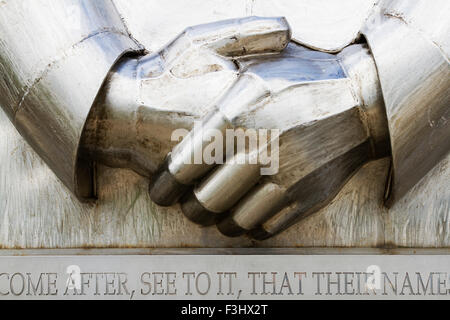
(220, 191)
(258, 206)
(164, 189)
(315, 191)
(232, 38)
(186, 163)
(279, 222)
(246, 36)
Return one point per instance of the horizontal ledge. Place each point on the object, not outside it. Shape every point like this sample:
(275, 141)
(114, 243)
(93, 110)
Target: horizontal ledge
(224, 251)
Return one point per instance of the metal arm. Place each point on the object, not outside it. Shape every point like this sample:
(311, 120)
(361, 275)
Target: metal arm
(54, 57)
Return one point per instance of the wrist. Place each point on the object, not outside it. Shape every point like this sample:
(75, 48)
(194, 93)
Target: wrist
(360, 67)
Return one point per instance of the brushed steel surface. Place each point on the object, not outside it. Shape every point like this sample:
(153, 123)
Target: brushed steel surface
(55, 56)
(320, 24)
(37, 211)
(148, 97)
(42, 213)
(318, 107)
(414, 70)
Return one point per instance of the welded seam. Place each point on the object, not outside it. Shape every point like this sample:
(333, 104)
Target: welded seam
(60, 57)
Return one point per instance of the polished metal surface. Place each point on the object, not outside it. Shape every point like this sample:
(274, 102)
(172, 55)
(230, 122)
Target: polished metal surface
(320, 24)
(330, 110)
(275, 75)
(42, 213)
(414, 70)
(314, 191)
(254, 210)
(54, 57)
(316, 102)
(147, 98)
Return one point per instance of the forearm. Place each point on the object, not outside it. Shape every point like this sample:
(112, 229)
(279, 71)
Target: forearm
(53, 73)
(409, 41)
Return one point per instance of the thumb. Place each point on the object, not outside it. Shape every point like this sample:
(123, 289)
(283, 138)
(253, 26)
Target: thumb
(245, 36)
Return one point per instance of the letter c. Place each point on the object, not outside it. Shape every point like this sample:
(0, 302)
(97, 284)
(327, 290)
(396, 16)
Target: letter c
(7, 275)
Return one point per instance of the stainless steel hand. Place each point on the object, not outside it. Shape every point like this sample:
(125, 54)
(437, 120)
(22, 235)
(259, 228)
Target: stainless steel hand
(329, 113)
(146, 98)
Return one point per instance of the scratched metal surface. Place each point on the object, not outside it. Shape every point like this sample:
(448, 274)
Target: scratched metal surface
(37, 211)
(154, 22)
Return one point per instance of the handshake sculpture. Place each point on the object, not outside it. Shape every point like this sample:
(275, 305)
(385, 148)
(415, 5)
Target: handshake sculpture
(243, 127)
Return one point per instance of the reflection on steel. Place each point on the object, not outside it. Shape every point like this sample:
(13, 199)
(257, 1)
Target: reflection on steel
(320, 119)
(147, 98)
(413, 65)
(52, 69)
(335, 111)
